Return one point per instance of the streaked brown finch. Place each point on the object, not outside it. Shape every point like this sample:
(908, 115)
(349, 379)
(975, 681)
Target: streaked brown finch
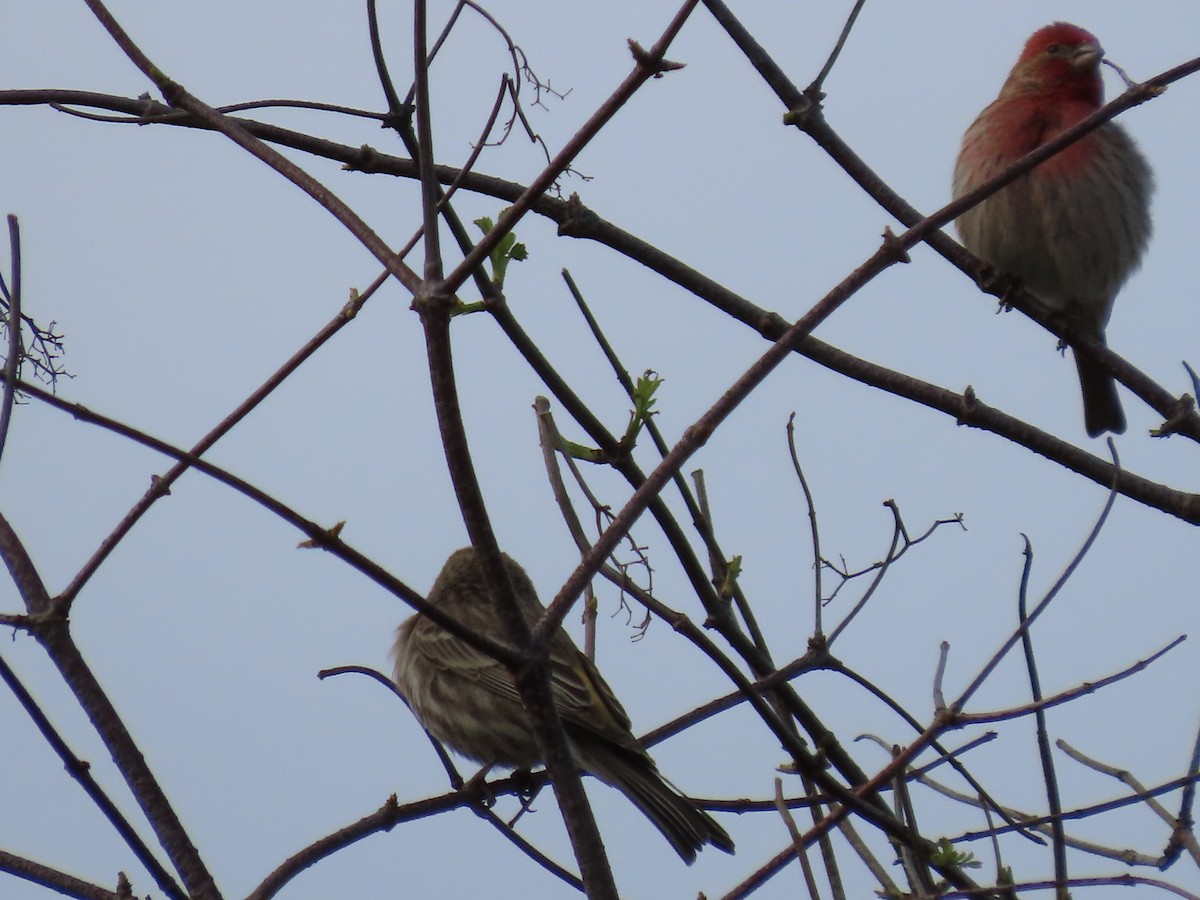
(470, 703)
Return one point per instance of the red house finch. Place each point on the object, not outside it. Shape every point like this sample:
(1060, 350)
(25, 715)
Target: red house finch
(468, 701)
(1074, 228)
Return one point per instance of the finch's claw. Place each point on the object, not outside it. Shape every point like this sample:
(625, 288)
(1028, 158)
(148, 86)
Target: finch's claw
(527, 785)
(477, 784)
(528, 788)
(1000, 284)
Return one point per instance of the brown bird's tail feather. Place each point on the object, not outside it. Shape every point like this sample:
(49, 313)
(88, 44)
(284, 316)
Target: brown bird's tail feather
(1101, 407)
(681, 822)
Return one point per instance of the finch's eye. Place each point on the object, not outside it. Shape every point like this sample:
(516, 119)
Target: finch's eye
(1054, 49)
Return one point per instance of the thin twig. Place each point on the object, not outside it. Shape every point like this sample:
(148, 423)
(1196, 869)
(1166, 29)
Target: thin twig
(1020, 888)
(1044, 602)
(815, 532)
(1024, 820)
(1182, 836)
(1053, 798)
(781, 807)
(1087, 812)
(12, 365)
(882, 569)
(1066, 696)
(1186, 817)
(819, 81)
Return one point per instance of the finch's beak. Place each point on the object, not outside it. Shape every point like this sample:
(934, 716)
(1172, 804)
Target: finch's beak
(1087, 55)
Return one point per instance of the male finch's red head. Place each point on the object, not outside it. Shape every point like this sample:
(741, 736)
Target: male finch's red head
(1060, 59)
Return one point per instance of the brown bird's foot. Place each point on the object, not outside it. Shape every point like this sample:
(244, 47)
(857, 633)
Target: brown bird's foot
(528, 788)
(478, 787)
(999, 284)
(1071, 327)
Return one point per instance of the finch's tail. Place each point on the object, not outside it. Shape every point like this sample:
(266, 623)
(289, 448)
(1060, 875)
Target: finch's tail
(687, 827)
(1101, 407)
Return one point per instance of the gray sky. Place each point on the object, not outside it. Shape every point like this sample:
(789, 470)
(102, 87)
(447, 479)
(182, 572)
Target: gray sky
(183, 273)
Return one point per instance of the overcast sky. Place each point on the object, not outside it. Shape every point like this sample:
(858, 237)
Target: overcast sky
(183, 272)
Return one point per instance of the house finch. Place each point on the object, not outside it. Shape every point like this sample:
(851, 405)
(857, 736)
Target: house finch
(468, 701)
(1075, 227)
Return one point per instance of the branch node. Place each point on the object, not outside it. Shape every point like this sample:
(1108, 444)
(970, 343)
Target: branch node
(367, 161)
(399, 120)
(432, 298)
(577, 220)
(353, 305)
(801, 115)
(655, 63)
(893, 247)
(1185, 409)
(970, 404)
(323, 538)
(172, 91)
(772, 326)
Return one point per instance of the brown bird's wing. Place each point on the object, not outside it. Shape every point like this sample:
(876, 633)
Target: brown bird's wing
(445, 652)
(583, 698)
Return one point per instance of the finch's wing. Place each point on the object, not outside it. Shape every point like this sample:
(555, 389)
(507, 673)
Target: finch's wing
(446, 652)
(583, 697)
